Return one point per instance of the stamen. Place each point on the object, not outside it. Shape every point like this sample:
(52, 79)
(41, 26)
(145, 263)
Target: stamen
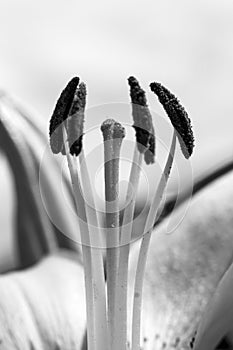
(85, 240)
(141, 265)
(178, 116)
(142, 121)
(75, 120)
(66, 130)
(60, 114)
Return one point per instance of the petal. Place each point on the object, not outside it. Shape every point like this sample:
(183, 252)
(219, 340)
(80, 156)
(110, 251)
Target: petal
(218, 317)
(23, 142)
(184, 267)
(43, 307)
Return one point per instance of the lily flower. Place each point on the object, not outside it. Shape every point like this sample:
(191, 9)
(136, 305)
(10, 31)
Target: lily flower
(181, 298)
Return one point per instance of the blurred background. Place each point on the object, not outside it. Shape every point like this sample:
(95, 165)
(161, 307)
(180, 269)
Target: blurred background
(186, 45)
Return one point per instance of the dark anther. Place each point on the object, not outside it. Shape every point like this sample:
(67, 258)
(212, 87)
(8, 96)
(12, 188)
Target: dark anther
(143, 125)
(178, 116)
(60, 114)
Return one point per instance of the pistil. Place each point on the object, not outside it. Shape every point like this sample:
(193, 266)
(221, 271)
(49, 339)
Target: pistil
(113, 134)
